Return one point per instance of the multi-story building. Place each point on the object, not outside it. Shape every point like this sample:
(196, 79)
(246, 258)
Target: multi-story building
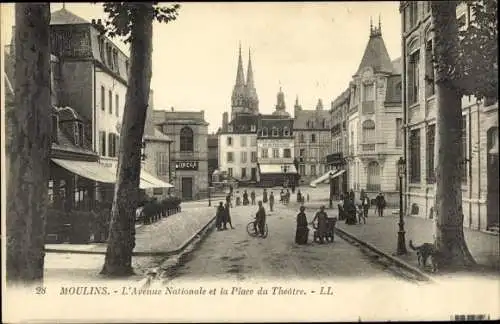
(238, 148)
(336, 161)
(189, 150)
(375, 122)
(213, 155)
(88, 85)
(238, 136)
(313, 138)
(275, 147)
(479, 127)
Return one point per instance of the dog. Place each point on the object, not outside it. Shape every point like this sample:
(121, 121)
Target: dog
(425, 251)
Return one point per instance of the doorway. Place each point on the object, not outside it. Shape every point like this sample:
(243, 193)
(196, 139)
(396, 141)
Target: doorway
(187, 188)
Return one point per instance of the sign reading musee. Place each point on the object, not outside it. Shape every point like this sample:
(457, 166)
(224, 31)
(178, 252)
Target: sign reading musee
(186, 165)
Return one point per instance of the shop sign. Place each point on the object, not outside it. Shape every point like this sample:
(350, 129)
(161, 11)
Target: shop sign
(186, 165)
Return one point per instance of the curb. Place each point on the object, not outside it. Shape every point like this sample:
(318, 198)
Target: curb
(164, 254)
(396, 260)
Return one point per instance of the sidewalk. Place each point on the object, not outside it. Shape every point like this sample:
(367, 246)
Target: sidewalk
(382, 233)
(168, 234)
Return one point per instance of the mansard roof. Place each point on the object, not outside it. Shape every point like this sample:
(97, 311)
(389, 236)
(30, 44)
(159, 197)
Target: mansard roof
(302, 118)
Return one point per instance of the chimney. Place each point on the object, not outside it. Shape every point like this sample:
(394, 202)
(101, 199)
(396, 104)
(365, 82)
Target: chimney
(172, 108)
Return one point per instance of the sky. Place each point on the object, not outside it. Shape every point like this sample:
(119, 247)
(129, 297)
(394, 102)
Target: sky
(310, 49)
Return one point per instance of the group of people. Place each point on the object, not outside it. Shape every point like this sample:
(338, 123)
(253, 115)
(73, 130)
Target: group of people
(355, 213)
(223, 217)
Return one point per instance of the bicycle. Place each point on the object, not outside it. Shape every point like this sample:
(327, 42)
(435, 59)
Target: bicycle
(251, 230)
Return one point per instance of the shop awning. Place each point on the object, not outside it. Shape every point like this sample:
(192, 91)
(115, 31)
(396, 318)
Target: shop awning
(326, 177)
(277, 168)
(150, 181)
(89, 170)
(98, 172)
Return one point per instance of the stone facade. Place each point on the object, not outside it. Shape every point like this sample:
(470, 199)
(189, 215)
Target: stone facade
(189, 150)
(374, 122)
(313, 141)
(479, 129)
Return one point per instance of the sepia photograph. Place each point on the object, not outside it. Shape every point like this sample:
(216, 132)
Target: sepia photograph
(250, 161)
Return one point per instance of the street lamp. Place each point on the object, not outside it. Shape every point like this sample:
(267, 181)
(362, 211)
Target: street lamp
(401, 233)
(209, 197)
(330, 175)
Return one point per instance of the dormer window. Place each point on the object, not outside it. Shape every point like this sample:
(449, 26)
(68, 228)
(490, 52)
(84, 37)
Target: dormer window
(101, 47)
(253, 128)
(275, 132)
(230, 128)
(286, 131)
(265, 132)
(109, 55)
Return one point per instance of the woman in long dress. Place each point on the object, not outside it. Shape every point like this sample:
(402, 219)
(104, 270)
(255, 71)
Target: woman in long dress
(302, 232)
(219, 216)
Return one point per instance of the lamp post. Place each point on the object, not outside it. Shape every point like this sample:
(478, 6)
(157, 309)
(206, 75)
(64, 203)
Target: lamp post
(330, 174)
(209, 197)
(401, 233)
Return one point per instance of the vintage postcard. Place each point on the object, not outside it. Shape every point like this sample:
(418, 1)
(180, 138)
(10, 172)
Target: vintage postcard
(237, 162)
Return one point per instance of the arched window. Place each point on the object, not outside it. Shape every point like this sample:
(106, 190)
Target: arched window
(368, 130)
(373, 175)
(264, 131)
(286, 131)
(186, 140)
(301, 138)
(275, 131)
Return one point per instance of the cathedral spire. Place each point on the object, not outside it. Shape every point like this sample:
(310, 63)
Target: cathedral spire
(240, 77)
(250, 82)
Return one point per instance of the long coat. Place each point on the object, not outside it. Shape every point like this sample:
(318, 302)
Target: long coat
(219, 216)
(302, 232)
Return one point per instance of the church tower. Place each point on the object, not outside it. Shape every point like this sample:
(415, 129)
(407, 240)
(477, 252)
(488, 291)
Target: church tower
(238, 98)
(251, 93)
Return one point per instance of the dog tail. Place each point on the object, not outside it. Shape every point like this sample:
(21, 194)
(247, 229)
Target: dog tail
(414, 248)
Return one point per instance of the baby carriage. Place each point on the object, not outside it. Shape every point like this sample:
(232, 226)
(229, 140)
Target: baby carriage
(328, 235)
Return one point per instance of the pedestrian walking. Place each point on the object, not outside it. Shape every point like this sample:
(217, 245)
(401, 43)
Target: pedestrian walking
(264, 196)
(349, 211)
(271, 201)
(245, 198)
(252, 197)
(260, 220)
(299, 196)
(351, 195)
(287, 197)
(365, 204)
(293, 187)
(227, 217)
(380, 202)
(228, 200)
(322, 219)
(219, 216)
(302, 232)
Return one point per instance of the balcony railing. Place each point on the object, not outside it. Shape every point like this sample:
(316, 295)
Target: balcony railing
(372, 147)
(373, 187)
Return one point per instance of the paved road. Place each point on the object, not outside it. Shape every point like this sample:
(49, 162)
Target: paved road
(234, 255)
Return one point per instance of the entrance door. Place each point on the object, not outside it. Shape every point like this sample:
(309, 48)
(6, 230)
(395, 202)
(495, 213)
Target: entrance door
(254, 174)
(187, 188)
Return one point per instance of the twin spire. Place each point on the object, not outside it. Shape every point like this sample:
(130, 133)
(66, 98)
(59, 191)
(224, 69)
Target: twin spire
(240, 76)
(244, 97)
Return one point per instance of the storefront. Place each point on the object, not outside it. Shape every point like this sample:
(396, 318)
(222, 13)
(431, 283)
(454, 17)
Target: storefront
(272, 175)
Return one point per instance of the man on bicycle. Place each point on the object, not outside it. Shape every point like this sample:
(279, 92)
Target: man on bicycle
(260, 220)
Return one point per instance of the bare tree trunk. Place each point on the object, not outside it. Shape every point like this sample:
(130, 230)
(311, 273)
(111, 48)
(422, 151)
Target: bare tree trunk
(450, 239)
(29, 146)
(118, 261)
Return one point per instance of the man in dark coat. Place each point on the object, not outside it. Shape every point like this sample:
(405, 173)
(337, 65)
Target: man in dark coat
(252, 196)
(260, 220)
(271, 201)
(227, 217)
(264, 196)
(245, 198)
(302, 232)
(322, 219)
(380, 202)
(219, 216)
